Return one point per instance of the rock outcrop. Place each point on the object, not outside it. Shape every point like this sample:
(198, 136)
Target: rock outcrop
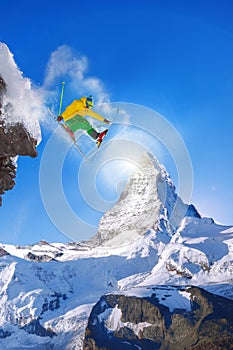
(125, 322)
(14, 140)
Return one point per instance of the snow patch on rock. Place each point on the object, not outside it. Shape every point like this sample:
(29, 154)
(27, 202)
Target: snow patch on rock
(22, 103)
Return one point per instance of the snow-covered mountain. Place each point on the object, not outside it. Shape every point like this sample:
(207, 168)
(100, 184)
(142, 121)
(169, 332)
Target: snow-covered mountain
(149, 240)
(148, 202)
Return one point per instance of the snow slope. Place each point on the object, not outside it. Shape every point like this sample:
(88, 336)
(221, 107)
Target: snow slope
(47, 290)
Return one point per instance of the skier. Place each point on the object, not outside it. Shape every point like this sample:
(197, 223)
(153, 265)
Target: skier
(74, 114)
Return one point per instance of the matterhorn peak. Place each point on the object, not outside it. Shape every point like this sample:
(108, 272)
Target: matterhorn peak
(149, 201)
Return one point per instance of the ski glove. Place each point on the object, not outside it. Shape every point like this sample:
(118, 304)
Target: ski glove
(106, 121)
(59, 118)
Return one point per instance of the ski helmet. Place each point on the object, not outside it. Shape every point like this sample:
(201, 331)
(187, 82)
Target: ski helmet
(90, 101)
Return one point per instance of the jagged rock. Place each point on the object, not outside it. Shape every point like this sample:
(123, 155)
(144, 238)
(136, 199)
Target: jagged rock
(2, 89)
(34, 327)
(43, 242)
(192, 211)
(3, 252)
(4, 334)
(38, 258)
(53, 303)
(179, 272)
(58, 255)
(125, 322)
(14, 140)
(7, 175)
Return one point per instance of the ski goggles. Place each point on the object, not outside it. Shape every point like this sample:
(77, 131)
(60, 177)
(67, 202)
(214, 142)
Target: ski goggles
(90, 102)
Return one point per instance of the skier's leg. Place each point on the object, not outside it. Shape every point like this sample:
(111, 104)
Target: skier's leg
(93, 133)
(78, 122)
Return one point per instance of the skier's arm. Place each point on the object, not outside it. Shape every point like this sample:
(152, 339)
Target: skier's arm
(73, 109)
(95, 115)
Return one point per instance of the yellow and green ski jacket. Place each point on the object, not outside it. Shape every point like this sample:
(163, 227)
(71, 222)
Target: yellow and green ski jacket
(78, 107)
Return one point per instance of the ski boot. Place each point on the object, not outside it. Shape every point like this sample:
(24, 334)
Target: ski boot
(101, 137)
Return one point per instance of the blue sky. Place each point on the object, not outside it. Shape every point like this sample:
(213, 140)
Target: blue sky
(174, 57)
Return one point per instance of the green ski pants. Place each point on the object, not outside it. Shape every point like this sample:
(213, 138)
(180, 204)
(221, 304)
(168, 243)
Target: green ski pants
(78, 122)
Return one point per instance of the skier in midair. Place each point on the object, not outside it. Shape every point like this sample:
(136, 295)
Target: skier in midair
(74, 114)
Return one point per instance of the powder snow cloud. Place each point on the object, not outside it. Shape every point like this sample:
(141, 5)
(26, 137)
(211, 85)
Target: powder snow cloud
(67, 65)
(23, 103)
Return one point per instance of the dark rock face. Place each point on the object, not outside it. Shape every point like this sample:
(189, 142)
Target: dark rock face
(4, 334)
(208, 325)
(39, 258)
(34, 327)
(3, 252)
(192, 211)
(14, 140)
(54, 303)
